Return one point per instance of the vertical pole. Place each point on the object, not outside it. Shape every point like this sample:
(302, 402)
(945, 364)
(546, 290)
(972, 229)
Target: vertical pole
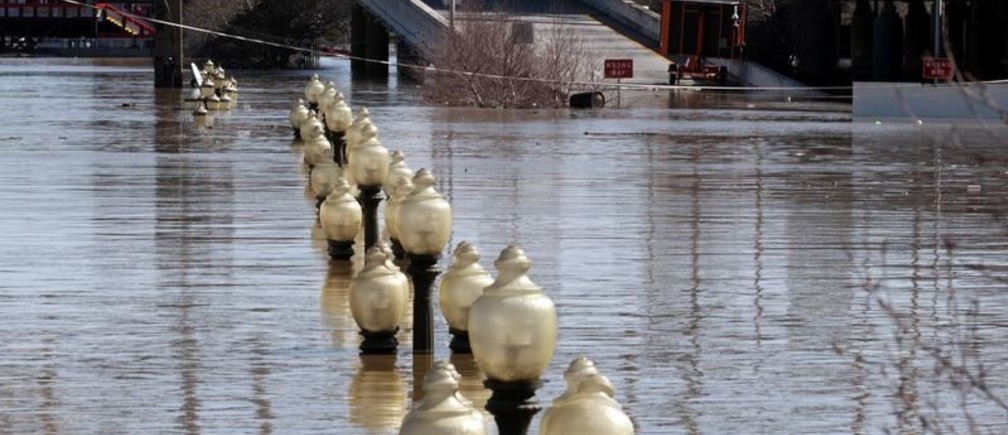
(179, 48)
(358, 41)
(451, 16)
(937, 32)
(168, 50)
(370, 197)
(422, 270)
(619, 89)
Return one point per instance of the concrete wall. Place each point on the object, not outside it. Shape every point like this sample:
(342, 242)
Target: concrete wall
(412, 20)
(913, 101)
(754, 74)
(631, 14)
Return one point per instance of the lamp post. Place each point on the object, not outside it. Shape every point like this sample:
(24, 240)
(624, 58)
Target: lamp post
(424, 224)
(459, 288)
(317, 150)
(337, 119)
(231, 89)
(322, 179)
(298, 114)
(369, 167)
(377, 301)
(402, 189)
(396, 190)
(587, 406)
(340, 217)
(513, 332)
(443, 410)
(206, 91)
(313, 90)
(327, 96)
(360, 131)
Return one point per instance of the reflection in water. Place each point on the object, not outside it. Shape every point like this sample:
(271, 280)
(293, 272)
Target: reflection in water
(336, 305)
(758, 249)
(377, 394)
(49, 406)
(471, 385)
(422, 363)
(690, 362)
(260, 379)
(192, 233)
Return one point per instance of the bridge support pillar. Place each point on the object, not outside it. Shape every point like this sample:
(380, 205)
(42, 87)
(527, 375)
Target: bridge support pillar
(358, 41)
(168, 55)
(408, 61)
(368, 40)
(377, 49)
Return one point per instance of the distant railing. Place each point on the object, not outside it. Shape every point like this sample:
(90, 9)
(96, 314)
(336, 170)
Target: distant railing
(56, 9)
(127, 22)
(36, 9)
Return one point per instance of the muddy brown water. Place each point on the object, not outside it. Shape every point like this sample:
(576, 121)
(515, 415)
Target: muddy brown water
(719, 257)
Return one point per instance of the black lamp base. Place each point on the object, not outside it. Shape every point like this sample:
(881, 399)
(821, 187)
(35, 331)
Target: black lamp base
(398, 249)
(460, 341)
(379, 343)
(513, 405)
(341, 249)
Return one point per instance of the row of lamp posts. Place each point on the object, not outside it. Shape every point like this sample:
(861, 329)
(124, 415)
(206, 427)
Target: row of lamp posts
(214, 90)
(507, 323)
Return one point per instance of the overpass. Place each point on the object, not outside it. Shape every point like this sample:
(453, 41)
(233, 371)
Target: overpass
(611, 29)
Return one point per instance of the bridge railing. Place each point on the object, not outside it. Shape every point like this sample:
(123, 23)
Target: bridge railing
(126, 21)
(44, 10)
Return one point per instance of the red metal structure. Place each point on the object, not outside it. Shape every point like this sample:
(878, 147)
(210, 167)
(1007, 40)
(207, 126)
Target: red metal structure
(693, 30)
(126, 20)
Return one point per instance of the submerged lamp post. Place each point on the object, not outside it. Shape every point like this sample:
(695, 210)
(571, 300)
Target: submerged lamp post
(587, 407)
(513, 332)
(206, 90)
(369, 168)
(298, 114)
(313, 90)
(401, 190)
(396, 191)
(459, 288)
(337, 119)
(424, 224)
(340, 217)
(377, 301)
(322, 179)
(317, 150)
(443, 410)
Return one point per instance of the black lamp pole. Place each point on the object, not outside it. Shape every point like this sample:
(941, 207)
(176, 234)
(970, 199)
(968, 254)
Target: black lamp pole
(513, 404)
(422, 270)
(370, 197)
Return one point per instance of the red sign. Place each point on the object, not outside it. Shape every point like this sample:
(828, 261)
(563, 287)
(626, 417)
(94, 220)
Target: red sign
(938, 68)
(618, 68)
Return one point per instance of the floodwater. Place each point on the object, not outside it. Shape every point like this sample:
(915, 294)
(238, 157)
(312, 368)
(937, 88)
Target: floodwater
(721, 258)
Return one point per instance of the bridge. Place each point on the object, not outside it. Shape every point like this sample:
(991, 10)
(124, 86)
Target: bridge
(610, 28)
(24, 23)
(419, 25)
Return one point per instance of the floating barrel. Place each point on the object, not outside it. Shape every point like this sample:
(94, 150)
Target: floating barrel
(587, 100)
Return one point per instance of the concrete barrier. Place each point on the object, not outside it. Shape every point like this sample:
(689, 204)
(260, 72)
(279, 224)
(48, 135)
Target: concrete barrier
(632, 15)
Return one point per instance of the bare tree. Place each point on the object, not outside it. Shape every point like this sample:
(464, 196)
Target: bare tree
(491, 60)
